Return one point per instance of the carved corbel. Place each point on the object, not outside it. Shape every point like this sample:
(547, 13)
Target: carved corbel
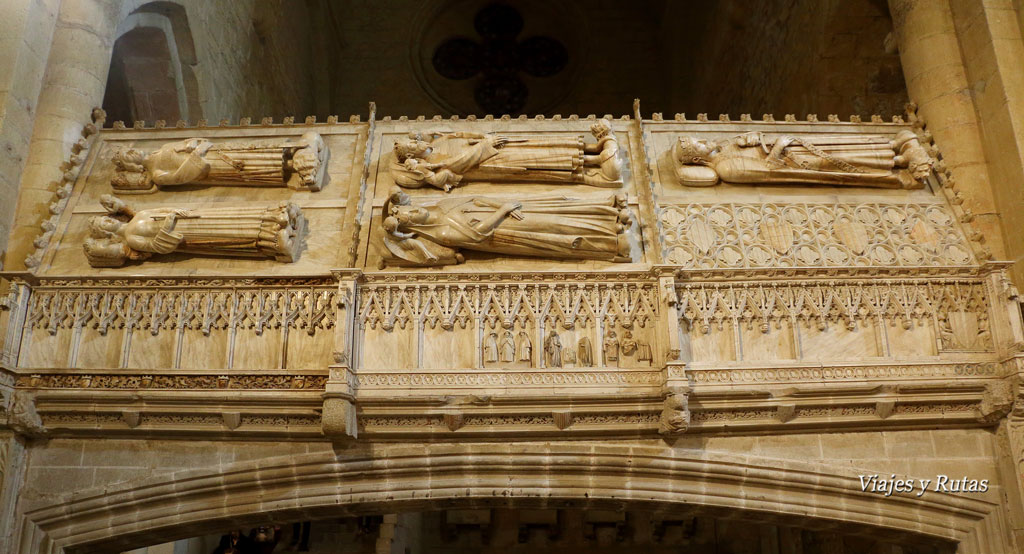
(22, 416)
(131, 418)
(998, 401)
(339, 411)
(675, 415)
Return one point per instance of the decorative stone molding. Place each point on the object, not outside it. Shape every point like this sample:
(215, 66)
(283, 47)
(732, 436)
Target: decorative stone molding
(135, 382)
(64, 187)
(370, 380)
(838, 373)
(745, 235)
(849, 303)
(624, 302)
(251, 308)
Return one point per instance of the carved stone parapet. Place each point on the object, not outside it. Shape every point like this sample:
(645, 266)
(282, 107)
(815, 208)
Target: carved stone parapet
(846, 302)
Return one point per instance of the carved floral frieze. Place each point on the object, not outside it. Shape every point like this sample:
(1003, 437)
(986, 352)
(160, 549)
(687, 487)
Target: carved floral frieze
(369, 379)
(174, 382)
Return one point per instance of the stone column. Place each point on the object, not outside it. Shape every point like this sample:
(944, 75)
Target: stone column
(937, 82)
(26, 31)
(73, 84)
(993, 53)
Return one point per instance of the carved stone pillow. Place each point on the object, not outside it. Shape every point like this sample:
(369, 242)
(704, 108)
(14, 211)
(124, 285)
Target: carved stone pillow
(696, 175)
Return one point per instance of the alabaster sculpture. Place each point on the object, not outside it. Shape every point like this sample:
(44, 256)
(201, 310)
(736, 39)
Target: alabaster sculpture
(759, 158)
(447, 160)
(299, 164)
(255, 232)
(548, 227)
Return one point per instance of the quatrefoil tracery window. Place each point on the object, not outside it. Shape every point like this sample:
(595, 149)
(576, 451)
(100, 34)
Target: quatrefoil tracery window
(497, 57)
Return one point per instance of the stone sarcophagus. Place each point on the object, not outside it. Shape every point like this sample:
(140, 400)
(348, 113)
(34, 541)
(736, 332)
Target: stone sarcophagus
(506, 277)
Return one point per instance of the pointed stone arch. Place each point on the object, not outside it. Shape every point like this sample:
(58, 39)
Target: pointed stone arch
(152, 66)
(396, 478)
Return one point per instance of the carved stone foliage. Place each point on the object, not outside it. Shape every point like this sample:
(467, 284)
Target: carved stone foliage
(299, 164)
(174, 382)
(846, 373)
(508, 378)
(155, 310)
(735, 235)
(767, 306)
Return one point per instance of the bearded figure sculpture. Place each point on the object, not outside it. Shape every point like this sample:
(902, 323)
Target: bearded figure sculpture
(757, 158)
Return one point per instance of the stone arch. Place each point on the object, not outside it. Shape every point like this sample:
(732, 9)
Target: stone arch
(151, 72)
(398, 478)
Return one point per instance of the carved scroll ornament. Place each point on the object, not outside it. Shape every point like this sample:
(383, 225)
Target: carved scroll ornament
(548, 227)
(261, 232)
(447, 160)
(299, 164)
(758, 158)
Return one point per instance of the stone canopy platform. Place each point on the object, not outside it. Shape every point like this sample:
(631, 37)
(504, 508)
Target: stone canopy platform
(580, 287)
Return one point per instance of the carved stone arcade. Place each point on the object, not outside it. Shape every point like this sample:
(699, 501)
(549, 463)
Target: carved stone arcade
(660, 306)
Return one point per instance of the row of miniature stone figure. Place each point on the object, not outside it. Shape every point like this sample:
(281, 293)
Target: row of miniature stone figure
(519, 349)
(435, 233)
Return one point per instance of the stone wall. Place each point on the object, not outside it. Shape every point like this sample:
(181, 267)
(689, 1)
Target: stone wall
(788, 56)
(256, 58)
(26, 30)
(61, 465)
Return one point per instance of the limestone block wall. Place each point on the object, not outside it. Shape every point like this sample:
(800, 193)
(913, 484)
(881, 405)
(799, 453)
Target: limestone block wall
(256, 59)
(89, 466)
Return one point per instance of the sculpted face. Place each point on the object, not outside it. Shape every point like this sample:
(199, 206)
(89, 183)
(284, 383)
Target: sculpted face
(411, 148)
(407, 214)
(600, 129)
(104, 226)
(695, 150)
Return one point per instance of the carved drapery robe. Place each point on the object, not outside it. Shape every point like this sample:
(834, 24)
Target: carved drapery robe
(611, 348)
(261, 232)
(445, 160)
(756, 158)
(553, 350)
(299, 164)
(508, 348)
(552, 227)
(585, 352)
(525, 348)
(491, 348)
(643, 352)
